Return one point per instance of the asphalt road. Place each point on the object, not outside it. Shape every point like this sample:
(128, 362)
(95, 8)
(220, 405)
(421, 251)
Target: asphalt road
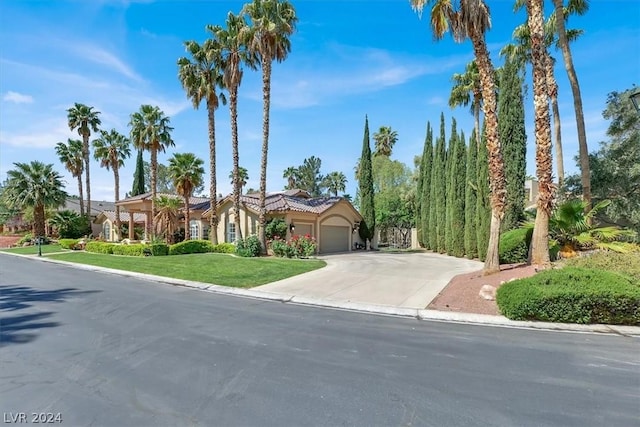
(103, 350)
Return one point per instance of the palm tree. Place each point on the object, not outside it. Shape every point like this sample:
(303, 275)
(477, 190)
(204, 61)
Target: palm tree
(84, 119)
(272, 22)
(111, 149)
(34, 186)
(384, 139)
(233, 44)
(471, 20)
(71, 155)
(66, 223)
(243, 177)
(292, 176)
(201, 79)
(166, 220)
(466, 86)
(578, 7)
(334, 182)
(150, 131)
(539, 253)
(186, 172)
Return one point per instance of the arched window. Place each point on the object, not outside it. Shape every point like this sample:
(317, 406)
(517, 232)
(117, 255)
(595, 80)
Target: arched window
(106, 231)
(194, 229)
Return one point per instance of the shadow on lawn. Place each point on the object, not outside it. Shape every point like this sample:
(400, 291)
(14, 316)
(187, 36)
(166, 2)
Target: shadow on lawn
(15, 329)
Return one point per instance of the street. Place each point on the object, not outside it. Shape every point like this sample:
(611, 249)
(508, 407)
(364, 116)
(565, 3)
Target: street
(104, 350)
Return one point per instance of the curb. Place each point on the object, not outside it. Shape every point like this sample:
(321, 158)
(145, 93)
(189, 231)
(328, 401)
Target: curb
(385, 310)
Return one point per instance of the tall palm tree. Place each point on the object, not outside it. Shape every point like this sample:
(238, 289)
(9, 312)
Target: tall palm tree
(539, 253)
(111, 149)
(233, 43)
(34, 186)
(272, 22)
(384, 140)
(202, 79)
(150, 131)
(334, 182)
(186, 172)
(578, 7)
(466, 90)
(292, 177)
(166, 220)
(471, 20)
(71, 155)
(85, 119)
(243, 176)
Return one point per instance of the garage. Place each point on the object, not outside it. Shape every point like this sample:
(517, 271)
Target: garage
(334, 238)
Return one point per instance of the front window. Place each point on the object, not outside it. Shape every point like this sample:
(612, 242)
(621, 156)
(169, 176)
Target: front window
(106, 231)
(194, 229)
(231, 232)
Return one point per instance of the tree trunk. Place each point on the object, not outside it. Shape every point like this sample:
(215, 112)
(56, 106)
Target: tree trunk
(80, 194)
(213, 189)
(476, 121)
(266, 96)
(116, 177)
(233, 95)
(38, 220)
(87, 162)
(154, 177)
(577, 104)
(187, 219)
(539, 253)
(497, 186)
(552, 87)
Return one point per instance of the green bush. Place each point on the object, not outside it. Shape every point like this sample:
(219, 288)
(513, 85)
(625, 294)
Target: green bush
(100, 247)
(159, 249)
(297, 247)
(224, 248)
(68, 243)
(514, 245)
(281, 248)
(248, 247)
(191, 247)
(276, 227)
(27, 238)
(572, 295)
(136, 249)
(627, 264)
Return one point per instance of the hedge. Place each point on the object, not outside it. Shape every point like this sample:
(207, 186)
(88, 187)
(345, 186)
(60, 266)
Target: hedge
(191, 247)
(224, 248)
(627, 264)
(572, 295)
(514, 245)
(100, 247)
(68, 243)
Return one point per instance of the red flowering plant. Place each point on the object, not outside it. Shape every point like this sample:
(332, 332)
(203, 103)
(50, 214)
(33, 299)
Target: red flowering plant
(297, 247)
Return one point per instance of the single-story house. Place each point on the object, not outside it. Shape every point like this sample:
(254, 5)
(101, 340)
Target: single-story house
(332, 221)
(106, 220)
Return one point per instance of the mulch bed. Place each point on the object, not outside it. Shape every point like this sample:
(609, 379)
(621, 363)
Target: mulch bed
(462, 292)
(9, 241)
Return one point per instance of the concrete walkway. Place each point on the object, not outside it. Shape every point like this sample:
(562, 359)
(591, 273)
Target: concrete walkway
(405, 280)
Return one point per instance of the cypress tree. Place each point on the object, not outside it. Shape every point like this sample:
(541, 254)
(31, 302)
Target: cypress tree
(365, 187)
(456, 201)
(514, 143)
(450, 187)
(138, 176)
(470, 237)
(439, 186)
(483, 204)
(425, 196)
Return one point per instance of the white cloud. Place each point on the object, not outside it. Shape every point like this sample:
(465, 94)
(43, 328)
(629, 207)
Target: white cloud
(100, 56)
(17, 98)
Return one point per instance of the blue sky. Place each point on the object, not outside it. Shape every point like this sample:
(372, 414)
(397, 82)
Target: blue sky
(348, 59)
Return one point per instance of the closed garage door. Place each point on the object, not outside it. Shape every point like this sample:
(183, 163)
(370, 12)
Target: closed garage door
(334, 238)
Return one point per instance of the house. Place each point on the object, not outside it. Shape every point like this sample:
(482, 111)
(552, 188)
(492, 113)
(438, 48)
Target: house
(332, 221)
(106, 220)
(531, 193)
(97, 206)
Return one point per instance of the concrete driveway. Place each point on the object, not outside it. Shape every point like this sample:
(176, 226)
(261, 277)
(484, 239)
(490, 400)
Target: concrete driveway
(409, 280)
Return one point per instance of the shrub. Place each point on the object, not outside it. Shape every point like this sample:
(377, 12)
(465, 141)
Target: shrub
(27, 238)
(68, 243)
(159, 249)
(136, 249)
(248, 247)
(298, 247)
(627, 264)
(281, 248)
(100, 247)
(224, 248)
(514, 245)
(573, 295)
(191, 247)
(276, 227)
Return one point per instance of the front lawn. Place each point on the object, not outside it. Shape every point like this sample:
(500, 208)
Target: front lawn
(219, 269)
(33, 249)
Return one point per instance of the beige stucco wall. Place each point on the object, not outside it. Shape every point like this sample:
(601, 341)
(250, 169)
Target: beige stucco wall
(248, 221)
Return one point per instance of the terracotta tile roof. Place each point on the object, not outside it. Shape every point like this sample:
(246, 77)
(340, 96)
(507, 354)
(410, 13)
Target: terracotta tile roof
(280, 202)
(147, 196)
(124, 216)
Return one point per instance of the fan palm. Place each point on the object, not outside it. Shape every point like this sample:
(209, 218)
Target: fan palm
(85, 119)
(243, 177)
(71, 155)
(466, 90)
(202, 80)
(233, 41)
(186, 172)
(34, 186)
(272, 22)
(384, 139)
(166, 220)
(111, 149)
(66, 223)
(292, 177)
(150, 131)
(334, 182)
(471, 20)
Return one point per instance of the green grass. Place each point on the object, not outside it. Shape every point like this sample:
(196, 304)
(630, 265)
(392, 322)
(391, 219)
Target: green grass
(219, 269)
(33, 250)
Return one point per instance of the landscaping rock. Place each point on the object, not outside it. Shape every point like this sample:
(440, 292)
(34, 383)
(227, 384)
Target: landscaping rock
(488, 292)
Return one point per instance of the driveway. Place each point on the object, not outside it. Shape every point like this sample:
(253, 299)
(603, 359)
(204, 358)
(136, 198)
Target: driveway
(410, 280)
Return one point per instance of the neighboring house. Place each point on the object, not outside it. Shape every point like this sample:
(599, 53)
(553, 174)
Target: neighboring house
(531, 194)
(106, 220)
(97, 206)
(332, 221)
